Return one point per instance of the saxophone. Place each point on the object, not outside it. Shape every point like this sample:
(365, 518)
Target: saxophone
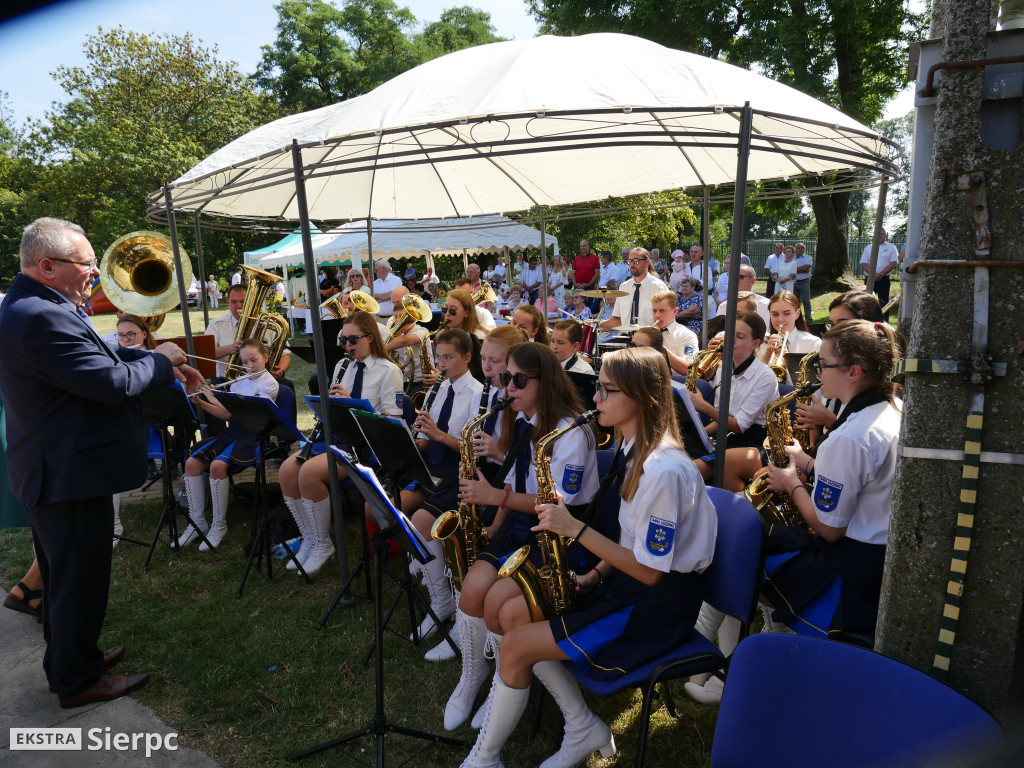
(775, 507)
(803, 380)
(705, 362)
(551, 589)
(460, 532)
(427, 362)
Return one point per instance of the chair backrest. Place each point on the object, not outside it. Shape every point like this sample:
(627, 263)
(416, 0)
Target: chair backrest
(733, 579)
(838, 705)
(408, 409)
(708, 393)
(286, 401)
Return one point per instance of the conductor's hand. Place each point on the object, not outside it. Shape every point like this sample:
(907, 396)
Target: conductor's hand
(338, 391)
(172, 352)
(813, 415)
(190, 377)
(485, 445)
(557, 519)
(479, 491)
(430, 379)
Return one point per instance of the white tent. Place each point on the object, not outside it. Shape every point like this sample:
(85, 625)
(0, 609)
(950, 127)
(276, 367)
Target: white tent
(406, 238)
(540, 122)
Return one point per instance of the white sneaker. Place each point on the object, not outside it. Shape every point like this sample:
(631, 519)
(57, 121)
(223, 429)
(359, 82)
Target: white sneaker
(709, 693)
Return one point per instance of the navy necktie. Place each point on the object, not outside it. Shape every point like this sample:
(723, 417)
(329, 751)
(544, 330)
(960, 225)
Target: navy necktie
(81, 312)
(634, 315)
(523, 460)
(490, 421)
(436, 447)
(357, 385)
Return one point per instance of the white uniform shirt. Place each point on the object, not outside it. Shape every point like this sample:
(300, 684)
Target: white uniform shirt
(750, 392)
(387, 285)
(382, 380)
(573, 464)
(578, 366)
(264, 385)
(854, 474)
(223, 328)
(649, 286)
(762, 309)
(403, 353)
(670, 523)
(464, 406)
(680, 341)
(484, 319)
(798, 343)
(887, 254)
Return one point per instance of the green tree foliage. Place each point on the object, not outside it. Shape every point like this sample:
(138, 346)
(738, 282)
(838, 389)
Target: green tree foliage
(140, 112)
(848, 53)
(16, 177)
(324, 54)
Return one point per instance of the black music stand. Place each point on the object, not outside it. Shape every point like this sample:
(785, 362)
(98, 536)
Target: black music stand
(262, 418)
(163, 409)
(394, 525)
(392, 440)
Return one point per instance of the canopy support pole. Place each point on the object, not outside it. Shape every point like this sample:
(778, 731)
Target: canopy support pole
(705, 228)
(876, 239)
(543, 268)
(182, 295)
(312, 289)
(725, 369)
(202, 275)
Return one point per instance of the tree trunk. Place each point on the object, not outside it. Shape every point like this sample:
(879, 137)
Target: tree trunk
(831, 260)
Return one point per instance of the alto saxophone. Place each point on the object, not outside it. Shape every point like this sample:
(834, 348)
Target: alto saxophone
(803, 379)
(776, 507)
(461, 533)
(551, 589)
(427, 362)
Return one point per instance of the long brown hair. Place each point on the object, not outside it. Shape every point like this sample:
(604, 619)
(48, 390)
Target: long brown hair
(872, 346)
(790, 298)
(863, 305)
(644, 377)
(149, 342)
(538, 322)
(506, 335)
(559, 399)
(368, 324)
(466, 300)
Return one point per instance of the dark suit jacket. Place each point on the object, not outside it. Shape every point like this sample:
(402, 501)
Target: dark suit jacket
(74, 423)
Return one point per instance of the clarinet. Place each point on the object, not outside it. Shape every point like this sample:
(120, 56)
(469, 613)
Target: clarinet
(318, 429)
(485, 398)
(433, 393)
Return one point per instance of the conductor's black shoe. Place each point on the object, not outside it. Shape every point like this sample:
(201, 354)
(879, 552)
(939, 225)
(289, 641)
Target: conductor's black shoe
(110, 658)
(107, 688)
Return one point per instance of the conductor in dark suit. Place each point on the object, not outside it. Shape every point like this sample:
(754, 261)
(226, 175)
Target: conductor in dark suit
(75, 437)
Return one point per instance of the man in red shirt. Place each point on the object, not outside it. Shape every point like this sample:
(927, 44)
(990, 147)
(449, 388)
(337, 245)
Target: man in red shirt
(587, 270)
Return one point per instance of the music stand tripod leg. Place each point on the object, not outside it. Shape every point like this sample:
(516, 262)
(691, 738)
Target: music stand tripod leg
(363, 564)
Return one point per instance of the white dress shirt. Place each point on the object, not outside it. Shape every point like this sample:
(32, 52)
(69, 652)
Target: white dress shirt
(887, 254)
(680, 341)
(649, 286)
(387, 285)
(464, 406)
(223, 329)
(573, 464)
(531, 276)
(484, 319)
(382, 380)
(749, 394)
(264, 385)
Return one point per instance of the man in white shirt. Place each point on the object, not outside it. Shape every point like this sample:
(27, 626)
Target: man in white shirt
(223, 329)
(635, 307)
(888, 258)
(532, 278)
(802, 287)
(609, 269)
(385, 283)
(769, 269)
(500, 271)
(746, 284)
(680, 342)
(697, 267)
(236, 279)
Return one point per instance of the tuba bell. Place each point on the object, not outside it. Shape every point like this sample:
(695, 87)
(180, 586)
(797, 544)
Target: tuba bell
(364, 302)
(254, 323)
(334, 307)
(485, 294)
(137, 275)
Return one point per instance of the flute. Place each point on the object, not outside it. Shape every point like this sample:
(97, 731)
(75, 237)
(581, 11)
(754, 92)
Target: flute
(224, 384)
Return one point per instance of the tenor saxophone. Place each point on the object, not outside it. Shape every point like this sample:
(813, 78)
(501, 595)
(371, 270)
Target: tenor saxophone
(551, 589)
(461, 533)
(776, 507)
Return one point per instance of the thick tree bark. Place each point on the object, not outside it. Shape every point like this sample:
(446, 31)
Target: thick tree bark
(831, 261)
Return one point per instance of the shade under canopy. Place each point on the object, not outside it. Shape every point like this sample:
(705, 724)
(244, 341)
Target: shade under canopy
(404, 238)
(546, 121)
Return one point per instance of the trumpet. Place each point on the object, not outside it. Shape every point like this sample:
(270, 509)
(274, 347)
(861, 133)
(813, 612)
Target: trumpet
(776, 360)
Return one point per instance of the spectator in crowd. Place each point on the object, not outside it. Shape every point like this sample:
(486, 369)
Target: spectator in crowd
(473, 275)
(785, 270)
(385, 283)
(518, 266)
(804, 264)
(237, 277)
(888, 259)
(770, 266)
(532, 278)
(691, 305)
(410, 272)
(658, 265)
(609, 269)
(679, 271)
(746, 285)
(587, 271)
(558, 279)
(697, 267)
(430, 279)
(213, 292)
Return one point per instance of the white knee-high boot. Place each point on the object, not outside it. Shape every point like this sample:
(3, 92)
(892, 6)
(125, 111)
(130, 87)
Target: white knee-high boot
(319, 520)
(439, 587)
(708, 621)
(474, 671)
(118, 527)
(584, 731)
(506, 707)
(219, 502)
(493, 643)
(443, 651)
(195, 493)
(707, 689)
(298, 509)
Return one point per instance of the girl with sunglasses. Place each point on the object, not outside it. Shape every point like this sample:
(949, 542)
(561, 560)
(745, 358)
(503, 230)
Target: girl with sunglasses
(460, 312)
(647, 578)
(543, 399)
(369, 375)
(231, 451)
(494, 357)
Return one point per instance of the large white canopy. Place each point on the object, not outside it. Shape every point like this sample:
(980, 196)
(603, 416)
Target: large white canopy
(404, 238)
(546, 121)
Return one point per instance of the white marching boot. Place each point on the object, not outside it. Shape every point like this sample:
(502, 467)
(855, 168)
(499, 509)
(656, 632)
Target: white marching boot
(506, 707)
(438, 586)
(195, 493)
(707, 689)
(443, 651)
(474, 671)
(708, 621)
(298, 509)
(319, 520)
(492, 644)
(770, 625)
(118, 527)
(584, 731)
(219, 502)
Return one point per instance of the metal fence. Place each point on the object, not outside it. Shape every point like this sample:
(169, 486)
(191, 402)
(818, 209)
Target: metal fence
(760, 250)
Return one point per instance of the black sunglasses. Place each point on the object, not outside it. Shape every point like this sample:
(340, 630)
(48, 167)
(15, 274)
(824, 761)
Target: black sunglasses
(519, 379)
(353, 339)
(453, 311)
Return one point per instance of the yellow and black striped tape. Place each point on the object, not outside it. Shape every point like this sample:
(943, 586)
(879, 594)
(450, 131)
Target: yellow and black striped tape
(923, 365)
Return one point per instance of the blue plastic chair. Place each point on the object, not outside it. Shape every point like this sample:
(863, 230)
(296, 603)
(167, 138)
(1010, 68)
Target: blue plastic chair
(731, 584)
(834, 704)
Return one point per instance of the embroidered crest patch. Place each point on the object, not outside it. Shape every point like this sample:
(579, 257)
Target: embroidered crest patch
(826, 493)
(660, 535)
(572, 478)
(688, 351)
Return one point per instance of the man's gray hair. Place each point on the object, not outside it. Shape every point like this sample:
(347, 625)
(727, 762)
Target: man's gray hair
(46, 238)
(383, 263)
